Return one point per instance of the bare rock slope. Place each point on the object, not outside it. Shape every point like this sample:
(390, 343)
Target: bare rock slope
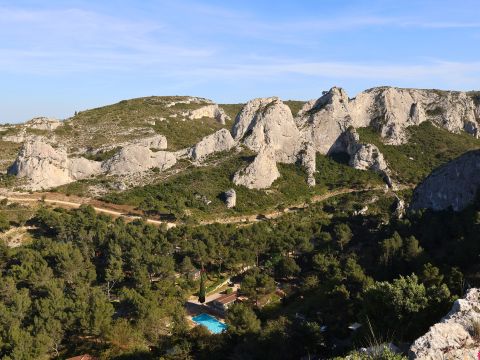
(454, 185)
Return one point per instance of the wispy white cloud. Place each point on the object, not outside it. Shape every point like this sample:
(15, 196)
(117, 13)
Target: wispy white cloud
(79, 40)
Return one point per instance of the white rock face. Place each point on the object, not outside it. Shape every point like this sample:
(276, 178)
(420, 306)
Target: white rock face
(210, 111)
(365, 156)
(158, 142)
(220, 141)
(268, 122)
(323, 121)
(230, 198)
(135, 158)
(81, 168)
(309, 162)
(43, 123)
(389, 110)
(261, 173)
(46, 167)
(451, 338)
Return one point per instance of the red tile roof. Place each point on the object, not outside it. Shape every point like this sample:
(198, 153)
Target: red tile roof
(227, 298)
(83, 357)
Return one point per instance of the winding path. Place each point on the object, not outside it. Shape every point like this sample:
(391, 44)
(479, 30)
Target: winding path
(228, 220)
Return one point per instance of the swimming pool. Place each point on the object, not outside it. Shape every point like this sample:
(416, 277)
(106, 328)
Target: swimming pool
(211, 323)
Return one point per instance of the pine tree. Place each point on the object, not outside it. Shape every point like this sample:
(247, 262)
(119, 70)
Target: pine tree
(202, 291)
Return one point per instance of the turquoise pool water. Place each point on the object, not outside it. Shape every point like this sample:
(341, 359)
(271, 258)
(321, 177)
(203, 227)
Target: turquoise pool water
(212, 324)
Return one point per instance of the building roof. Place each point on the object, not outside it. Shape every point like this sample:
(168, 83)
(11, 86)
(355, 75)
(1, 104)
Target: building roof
(83, 357)
(227, 298)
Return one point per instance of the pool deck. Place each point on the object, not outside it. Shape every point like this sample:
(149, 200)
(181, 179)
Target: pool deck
(194, 307)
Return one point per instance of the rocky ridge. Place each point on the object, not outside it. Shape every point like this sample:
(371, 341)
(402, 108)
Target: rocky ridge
(325, 125)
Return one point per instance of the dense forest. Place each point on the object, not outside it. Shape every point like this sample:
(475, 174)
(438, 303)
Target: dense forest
(90, 284)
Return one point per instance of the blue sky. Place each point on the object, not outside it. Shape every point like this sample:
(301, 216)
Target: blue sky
(60, 56)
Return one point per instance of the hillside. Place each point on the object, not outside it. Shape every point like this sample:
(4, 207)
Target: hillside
(303, 212)
(145, 152)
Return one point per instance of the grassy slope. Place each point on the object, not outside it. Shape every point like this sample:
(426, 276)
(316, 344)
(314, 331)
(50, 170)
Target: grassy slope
(135, 118)
(8, 152)
(428, 146)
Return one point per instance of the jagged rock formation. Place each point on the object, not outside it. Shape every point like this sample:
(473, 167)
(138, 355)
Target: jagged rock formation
(46, 167)
(268, 122)
(323, 121)
(220, 141)
(261, 173)
(453, 337)
(135, 159)
(387, 109)
(43, 123)
(210, 111)
(322, 125)
(365, 156)
(309, 162)
(454, 185)
(230, 198)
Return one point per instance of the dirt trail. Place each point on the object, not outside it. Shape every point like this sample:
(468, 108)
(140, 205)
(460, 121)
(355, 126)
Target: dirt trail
(130, 213)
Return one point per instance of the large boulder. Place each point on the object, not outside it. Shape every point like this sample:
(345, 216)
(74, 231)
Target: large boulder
(268, 122)
(219, 141)
(453, 337)
(133, 159)
(45, 166)
(230, 197)
(209, 111)
(365, 156)
(454, 185)
(261, 173)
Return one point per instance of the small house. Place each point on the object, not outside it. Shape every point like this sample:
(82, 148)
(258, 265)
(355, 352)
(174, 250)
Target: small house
(225, 301)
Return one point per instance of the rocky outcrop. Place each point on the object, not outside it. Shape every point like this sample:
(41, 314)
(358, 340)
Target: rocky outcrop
(365, 156)
(209, 111)
(135, 159)
(43, 123)
(268, 122)
(387, 109)
(454, 185)
(323, 121)
(454, 336)
(45, 166)
(220, 141)
(309, 162)
(158, 142)
(261, 173)
(230, 197)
